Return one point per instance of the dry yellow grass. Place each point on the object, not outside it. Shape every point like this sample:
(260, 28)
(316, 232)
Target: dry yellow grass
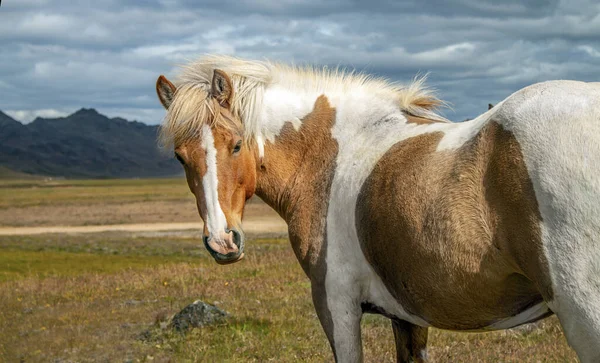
(67, 313)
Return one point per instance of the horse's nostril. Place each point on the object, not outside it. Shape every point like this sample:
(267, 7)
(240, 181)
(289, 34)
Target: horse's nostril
(238, 239)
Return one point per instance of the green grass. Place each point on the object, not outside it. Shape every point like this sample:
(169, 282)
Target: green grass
(90, 298)
(17, 264)
(63, 255)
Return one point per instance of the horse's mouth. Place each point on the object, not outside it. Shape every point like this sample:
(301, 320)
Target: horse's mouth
(228, 249)
(229, 262)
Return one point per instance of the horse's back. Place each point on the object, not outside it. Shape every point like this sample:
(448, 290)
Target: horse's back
(546, 107)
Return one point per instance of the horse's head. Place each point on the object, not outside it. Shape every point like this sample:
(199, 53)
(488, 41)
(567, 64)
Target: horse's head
(219, 164)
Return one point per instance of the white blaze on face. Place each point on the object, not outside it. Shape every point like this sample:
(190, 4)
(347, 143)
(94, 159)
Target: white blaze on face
(215, 218)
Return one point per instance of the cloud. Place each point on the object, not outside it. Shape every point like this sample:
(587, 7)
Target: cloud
(29, 115)
(63, 55)
(591, 51)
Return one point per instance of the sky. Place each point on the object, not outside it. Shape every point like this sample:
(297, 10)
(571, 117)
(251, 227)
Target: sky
(57, 56)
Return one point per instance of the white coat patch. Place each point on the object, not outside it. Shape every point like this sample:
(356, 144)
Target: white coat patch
(215, 218)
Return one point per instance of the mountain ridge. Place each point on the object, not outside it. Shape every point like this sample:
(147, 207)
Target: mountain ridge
(85, 144)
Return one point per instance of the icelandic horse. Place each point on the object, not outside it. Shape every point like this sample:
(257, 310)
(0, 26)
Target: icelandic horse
(392, 209)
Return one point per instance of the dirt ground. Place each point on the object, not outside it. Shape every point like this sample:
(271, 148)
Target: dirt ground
(257, 227)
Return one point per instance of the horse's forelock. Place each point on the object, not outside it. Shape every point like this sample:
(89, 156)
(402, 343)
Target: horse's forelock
(190, 110)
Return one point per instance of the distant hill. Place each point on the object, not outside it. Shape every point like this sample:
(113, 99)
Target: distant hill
(6, 173)
(85, 144)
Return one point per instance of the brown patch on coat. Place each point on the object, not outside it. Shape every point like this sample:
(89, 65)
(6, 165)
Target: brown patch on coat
(298, 189)
(455, 235)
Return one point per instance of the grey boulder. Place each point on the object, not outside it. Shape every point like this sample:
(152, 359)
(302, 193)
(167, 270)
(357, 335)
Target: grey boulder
(197, 314)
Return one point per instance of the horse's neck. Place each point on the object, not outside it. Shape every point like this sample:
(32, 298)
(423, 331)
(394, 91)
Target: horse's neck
(298, 141)
(296, 172)
(277, 172)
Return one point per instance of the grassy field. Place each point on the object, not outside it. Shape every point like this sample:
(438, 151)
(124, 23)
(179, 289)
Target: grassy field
(26, 193)
(101, 297)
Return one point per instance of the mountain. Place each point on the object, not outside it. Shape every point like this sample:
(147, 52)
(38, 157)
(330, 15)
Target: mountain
(85, 144)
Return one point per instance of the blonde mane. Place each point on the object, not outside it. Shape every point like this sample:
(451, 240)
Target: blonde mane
(192, 106)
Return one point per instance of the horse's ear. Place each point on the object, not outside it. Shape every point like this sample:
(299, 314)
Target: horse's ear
(165, 91)
(222, 88)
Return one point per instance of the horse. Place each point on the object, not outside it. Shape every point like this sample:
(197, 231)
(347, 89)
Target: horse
(392, 209)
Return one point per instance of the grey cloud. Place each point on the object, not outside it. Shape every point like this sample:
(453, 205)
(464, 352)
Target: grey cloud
(58, 56)
(311, 9)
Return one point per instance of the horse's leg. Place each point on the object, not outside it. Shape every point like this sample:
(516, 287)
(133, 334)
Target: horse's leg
(571, 239)
(575, 268)
(340, 319)
(570, 210)
(578, 309)
(411, 342)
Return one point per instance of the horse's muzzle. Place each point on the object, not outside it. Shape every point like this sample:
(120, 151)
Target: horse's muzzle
(226, 248)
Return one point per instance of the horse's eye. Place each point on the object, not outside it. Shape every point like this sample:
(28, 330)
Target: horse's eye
(179, 158)
(237, 147)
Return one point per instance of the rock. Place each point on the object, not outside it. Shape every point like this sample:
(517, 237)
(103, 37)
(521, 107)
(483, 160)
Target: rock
(197, 314)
